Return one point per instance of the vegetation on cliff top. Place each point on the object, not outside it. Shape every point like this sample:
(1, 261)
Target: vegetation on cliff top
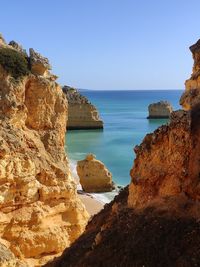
(14, 62)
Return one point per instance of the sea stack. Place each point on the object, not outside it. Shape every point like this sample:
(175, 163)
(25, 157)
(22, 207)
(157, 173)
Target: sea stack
(160, 110)
(40, 212)
(155, 221)
(94, 176)
(81, 113)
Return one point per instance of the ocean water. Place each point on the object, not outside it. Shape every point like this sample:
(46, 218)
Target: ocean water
(125, 125)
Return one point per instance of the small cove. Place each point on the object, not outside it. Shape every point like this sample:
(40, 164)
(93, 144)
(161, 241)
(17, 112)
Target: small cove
(125, 125)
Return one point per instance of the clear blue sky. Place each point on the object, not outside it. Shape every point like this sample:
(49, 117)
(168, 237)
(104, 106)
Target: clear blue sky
(108, 44)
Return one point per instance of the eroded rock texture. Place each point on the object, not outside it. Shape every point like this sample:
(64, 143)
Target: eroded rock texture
(155, 221)
(8, 259)
(191, 96)
(161, 167)
(81, 113)
(40, 213)
(94, 176)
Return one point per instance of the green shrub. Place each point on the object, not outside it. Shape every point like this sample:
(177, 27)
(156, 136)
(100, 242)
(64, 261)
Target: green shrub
(14, 62)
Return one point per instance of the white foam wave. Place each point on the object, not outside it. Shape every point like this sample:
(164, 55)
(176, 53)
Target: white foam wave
(105, 197)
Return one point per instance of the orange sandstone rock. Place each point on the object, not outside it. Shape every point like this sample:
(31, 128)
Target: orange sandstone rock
(40, 213)
(161, 166)
(94, 176)
(8, 259)
(81, 113)
(191, 96)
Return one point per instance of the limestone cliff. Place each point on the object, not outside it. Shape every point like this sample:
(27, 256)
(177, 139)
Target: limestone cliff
(155, 221)
(40, 213)
(81, 113)
(191, 96)
(161, 167)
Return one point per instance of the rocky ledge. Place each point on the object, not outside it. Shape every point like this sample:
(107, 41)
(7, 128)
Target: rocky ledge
(81, 113)
(160, 110)
(155, 221)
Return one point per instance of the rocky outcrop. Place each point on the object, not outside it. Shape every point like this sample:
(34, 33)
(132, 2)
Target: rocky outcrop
(155, 221)
(12, 44)
(39, 64)
(159, 110)
(191, 96)
(94, 176)
(81, 113)
(162, 164)
(40, 213)
(18, 47)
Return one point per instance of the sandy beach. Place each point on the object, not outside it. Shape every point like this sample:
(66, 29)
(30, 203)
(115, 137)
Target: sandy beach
(93, 206)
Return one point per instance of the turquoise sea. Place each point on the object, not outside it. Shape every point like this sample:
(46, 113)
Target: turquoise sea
(125, 125)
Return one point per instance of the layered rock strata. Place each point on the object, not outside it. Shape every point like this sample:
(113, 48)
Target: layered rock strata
(155, 221)
(94, 176)
(81, 113)
(160, 110)
(40, 213)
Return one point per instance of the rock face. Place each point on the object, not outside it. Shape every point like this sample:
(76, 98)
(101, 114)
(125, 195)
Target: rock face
(162, 164)
(159, 110)
(39, 64)
(8, 259)
(94, 176)
(155, 221)
(81, 113)
(40, 213)
(191, 96)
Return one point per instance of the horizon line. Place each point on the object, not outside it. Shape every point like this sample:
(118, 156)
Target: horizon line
(130, 89)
